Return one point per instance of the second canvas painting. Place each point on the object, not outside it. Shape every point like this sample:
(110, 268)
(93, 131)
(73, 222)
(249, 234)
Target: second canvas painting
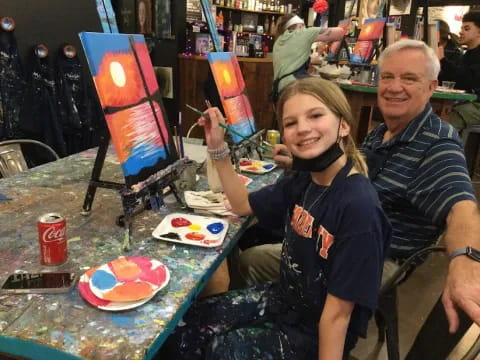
(233, 93)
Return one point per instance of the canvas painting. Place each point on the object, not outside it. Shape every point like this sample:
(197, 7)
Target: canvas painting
(233, 93)
(107, 16)
(130, 97)
(371, 31)
(335, 46)
(165, 81)
(144, 17)
(370, 9)
(400, 7)
(212, 25)
(163, 19)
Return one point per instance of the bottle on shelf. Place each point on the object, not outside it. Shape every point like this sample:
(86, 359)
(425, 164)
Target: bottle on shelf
(229, 24)
(220, 20)
(266, 25)
(273, 26)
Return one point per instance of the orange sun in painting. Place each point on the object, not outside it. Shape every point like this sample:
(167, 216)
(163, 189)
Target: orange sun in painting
(118, 80)
(227, 82)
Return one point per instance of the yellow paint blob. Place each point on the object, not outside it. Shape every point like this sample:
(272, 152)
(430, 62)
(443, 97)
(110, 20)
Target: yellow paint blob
(195, 227)
(117, 72)
(256, 164)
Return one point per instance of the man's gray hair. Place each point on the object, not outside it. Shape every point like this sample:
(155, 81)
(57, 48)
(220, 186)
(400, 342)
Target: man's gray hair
(433, 64)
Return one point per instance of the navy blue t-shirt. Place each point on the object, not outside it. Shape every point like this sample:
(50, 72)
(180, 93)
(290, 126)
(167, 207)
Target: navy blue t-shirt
(334, 243)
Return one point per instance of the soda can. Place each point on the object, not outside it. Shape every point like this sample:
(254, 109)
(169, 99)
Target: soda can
(52, 239)
(273, 137)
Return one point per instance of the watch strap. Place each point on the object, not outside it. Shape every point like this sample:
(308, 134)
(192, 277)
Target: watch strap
(468, 251)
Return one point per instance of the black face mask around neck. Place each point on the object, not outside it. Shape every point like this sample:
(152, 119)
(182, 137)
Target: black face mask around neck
(319, 163)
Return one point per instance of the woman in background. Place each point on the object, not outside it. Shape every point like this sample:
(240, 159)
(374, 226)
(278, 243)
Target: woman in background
(292, 48)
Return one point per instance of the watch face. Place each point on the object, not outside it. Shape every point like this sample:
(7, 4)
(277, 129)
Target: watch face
(474, 254)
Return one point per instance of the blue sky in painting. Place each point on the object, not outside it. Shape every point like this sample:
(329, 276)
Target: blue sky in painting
(97, 44)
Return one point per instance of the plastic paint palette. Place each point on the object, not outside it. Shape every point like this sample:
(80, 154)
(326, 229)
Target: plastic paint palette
(192, 230)
(256, 166)
(89, 296)
(128, 279)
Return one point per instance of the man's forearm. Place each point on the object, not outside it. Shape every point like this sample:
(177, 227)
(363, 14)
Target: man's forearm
(463, 226)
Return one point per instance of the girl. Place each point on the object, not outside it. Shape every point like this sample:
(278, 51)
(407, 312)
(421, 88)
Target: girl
(333, 248)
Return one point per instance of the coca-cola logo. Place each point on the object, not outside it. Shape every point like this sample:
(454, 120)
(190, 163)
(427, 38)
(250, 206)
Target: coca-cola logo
(52, 234)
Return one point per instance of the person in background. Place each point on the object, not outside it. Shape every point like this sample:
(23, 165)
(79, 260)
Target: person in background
(292, 48)
(450, 44)
(465, 71)
(335, 233)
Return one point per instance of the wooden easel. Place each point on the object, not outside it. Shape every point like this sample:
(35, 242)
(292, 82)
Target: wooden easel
(147, 194)
(246, 148)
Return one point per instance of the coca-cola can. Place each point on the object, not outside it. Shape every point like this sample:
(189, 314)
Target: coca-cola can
(52, 239)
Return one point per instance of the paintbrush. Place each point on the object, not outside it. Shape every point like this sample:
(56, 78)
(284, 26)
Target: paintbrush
(226, 127)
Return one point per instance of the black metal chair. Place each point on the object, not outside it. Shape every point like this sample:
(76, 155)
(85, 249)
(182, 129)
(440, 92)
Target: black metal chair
(12, 160)
(386, 316)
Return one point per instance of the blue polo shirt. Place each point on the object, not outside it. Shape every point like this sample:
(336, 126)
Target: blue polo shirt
(419, 175)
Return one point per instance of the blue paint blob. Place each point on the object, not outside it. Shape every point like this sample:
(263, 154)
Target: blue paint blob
(123, 321)
(268, 166)
(215, 228)
(103, 280)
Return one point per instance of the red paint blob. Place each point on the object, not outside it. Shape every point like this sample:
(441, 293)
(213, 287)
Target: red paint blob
(195, 236)
(252, 168)
(180, 222)
(245, 162)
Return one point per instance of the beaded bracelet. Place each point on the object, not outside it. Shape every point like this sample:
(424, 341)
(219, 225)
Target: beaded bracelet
(219, 153)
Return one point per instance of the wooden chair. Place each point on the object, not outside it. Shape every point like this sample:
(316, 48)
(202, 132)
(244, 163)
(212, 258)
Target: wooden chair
(12, 160)
(471, 143)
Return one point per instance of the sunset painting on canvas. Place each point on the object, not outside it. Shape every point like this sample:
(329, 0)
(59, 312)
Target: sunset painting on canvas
(129, 94)
(233, 94)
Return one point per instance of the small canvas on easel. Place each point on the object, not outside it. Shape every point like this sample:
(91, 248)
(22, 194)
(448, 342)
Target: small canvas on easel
(129, 94)
(345, 24)
(371, 31)
(233, 93)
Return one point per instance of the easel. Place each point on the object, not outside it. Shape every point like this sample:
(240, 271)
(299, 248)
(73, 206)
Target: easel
(147, 194)
(246, 147)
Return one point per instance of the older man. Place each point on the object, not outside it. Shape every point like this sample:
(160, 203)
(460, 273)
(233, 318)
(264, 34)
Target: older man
(418, 168)
(417, 165)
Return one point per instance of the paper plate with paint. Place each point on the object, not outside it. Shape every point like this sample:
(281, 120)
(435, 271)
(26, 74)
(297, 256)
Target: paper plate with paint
(256, 166)
(130, 278)
(89, 296)
(192, 230)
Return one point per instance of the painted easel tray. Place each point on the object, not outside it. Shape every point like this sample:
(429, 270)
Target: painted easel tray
(256, 166)
(192, 230)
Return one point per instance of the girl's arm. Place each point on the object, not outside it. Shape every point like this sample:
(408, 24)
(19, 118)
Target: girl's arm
(233, 187)
(332, 327)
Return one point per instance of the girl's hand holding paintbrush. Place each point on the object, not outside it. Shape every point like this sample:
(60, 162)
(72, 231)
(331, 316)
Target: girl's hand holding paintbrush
(214, 134)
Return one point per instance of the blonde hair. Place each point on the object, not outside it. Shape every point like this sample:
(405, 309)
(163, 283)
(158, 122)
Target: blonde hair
(332, 96)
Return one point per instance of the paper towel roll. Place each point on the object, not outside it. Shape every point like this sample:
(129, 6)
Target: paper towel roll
(390, 36)
(433, 36)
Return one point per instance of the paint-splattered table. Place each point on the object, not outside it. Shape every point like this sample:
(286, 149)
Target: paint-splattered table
(64, 326)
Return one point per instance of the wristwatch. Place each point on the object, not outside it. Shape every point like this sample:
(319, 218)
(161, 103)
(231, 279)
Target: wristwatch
(468, 251)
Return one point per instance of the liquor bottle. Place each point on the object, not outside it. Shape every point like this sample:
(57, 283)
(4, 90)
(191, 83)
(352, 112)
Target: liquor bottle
(273, 26)
(266, 25)
(229, 24)
(220, 20)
